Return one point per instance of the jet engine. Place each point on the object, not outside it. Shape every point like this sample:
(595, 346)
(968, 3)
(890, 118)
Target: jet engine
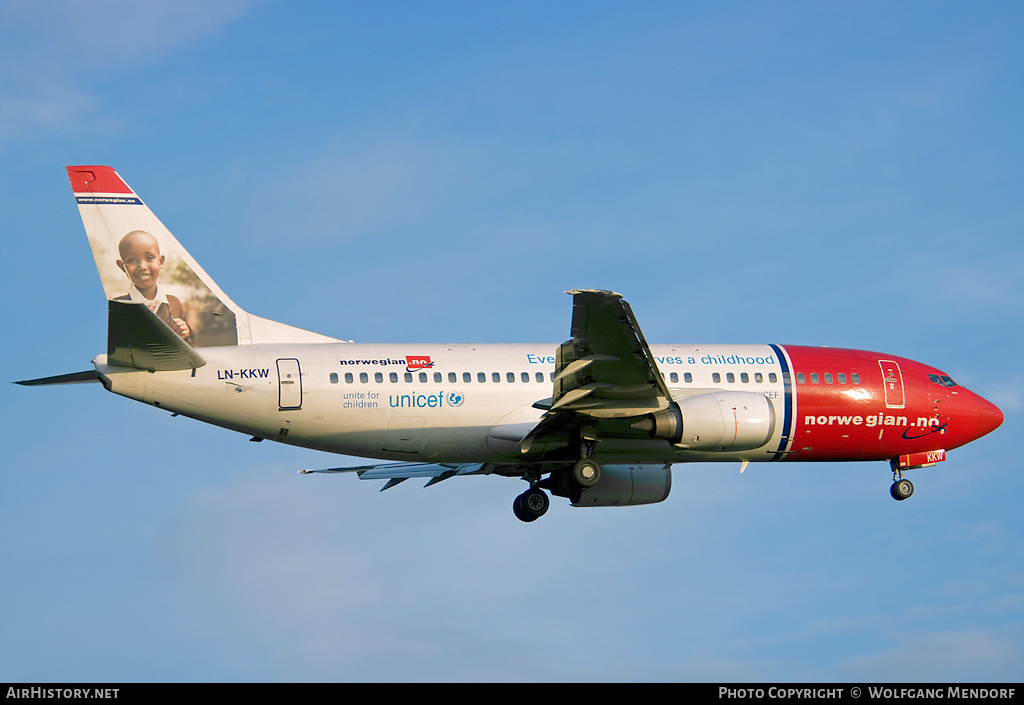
(622, 485)
(717, 421)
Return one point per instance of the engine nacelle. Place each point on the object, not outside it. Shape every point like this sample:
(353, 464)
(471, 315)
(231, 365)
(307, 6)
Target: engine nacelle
(622, 485)
(717, 421)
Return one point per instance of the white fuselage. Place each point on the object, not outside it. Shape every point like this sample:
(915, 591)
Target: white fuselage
(434, 402)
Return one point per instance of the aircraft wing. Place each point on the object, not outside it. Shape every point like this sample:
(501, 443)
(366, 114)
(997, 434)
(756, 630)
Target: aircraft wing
(605, 371)
(395, 473)
(606, 367)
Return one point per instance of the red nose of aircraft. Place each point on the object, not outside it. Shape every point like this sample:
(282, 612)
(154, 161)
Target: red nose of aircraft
(989, 417)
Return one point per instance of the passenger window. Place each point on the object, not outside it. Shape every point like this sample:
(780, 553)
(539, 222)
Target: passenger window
(393, 377)
(674, 377)
(730, 377)
(423, 376)
(466, 377)
(495, 377)
(540, 376)
(408, 377)
(842, 378)
(773, 378)
(525, 376)
(744, 377)
(855, 377)
(481, 377)
(510, 376)
(799, 377)
(348, 378)
(828, 378)
(814, 378)
(716, 378)
(378, 377)
(363, 377)
(334, 378)
(688, 378)
(437, 377)
(758, 377)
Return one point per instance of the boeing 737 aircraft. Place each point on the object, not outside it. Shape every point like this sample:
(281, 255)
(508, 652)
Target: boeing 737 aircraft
(599, 419)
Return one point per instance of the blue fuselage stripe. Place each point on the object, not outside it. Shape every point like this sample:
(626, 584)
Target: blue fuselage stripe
(787, 419)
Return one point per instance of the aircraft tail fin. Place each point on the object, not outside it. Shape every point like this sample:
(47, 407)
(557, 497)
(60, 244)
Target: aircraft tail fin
(139, 260)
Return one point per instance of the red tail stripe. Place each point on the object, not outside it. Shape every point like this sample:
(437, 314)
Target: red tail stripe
(96, 179)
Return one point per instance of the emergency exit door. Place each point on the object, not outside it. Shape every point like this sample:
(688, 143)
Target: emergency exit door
(289, 384)
(892, 378)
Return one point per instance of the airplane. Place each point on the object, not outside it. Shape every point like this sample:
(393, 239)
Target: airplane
(598, 420)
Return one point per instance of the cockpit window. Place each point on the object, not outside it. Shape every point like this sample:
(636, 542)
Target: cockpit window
(942, 380)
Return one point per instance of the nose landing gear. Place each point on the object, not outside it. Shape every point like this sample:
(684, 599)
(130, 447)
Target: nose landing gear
(901, 489)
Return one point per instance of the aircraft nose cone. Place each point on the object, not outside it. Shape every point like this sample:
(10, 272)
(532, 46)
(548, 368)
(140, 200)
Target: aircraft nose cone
(989, 417)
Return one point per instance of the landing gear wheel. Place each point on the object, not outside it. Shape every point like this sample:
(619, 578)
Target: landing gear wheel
(586, 472)
(901, 490)
(530, 505)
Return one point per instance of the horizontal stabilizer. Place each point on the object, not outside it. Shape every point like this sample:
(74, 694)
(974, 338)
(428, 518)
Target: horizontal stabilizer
(72, 378)
(136, 337)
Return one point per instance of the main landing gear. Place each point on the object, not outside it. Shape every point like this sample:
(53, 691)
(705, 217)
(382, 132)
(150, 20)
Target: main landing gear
(586, 472)
(531, 505)
(568, 482)
(901, 489)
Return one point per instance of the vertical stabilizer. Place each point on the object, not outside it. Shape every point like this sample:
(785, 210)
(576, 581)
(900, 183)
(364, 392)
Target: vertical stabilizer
(140, 260)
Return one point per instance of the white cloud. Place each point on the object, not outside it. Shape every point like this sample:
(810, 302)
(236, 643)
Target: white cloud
(113, 34)
(52, 55)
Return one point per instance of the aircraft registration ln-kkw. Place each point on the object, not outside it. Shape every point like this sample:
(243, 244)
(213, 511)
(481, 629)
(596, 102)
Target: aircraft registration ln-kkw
(599, 419)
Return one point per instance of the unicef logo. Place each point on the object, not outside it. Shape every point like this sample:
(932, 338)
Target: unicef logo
(455, 398)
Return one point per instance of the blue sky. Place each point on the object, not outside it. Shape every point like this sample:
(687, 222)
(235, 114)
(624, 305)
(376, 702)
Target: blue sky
(810, 173)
